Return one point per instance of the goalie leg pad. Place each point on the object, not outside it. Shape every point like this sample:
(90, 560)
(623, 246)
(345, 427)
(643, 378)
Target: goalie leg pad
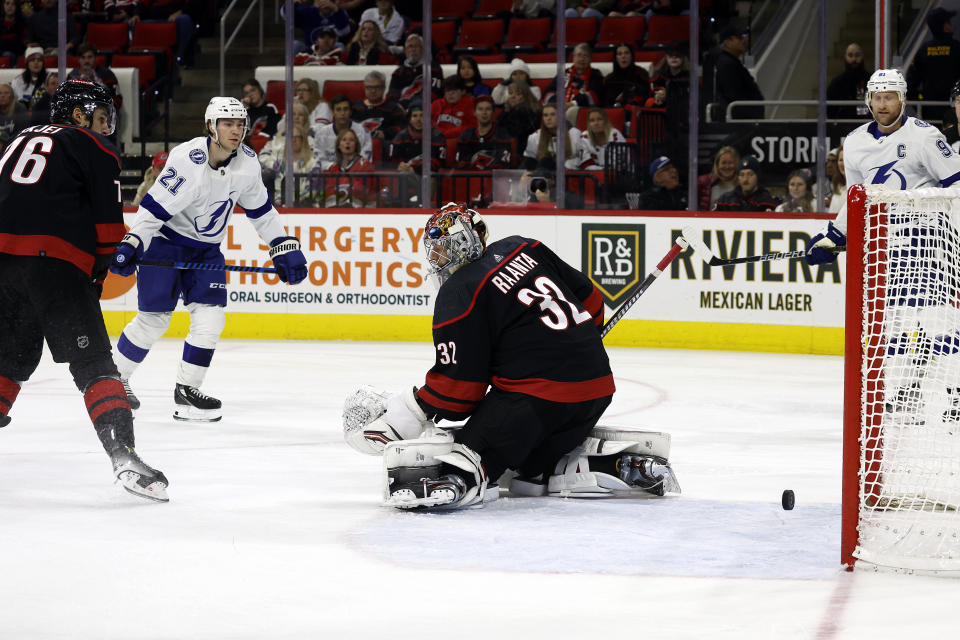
(432, 471)
(625, 462)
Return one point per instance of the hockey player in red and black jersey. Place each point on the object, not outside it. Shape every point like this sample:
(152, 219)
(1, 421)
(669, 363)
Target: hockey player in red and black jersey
(519, 356)
(381, 117)
(485, 146)
(60, 219)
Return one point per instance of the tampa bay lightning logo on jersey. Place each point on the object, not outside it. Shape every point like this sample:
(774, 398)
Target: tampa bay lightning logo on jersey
(198, 156)
(247, 150)
(887, 172)
(212, 223)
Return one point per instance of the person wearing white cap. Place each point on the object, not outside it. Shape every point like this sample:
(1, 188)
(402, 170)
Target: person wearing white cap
(28, 87)
(518, 71)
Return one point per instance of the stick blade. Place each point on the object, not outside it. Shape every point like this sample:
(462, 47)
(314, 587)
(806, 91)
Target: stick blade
(691, 236)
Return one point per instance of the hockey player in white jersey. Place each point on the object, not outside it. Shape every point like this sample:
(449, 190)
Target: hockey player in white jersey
(900, 152)
(184, 218)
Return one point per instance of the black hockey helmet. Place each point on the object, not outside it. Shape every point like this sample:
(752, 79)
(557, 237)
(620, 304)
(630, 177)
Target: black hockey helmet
(88, 96)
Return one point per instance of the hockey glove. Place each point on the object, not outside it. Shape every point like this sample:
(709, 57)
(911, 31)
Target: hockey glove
(288, 259)
(128, 253)
(819, 249)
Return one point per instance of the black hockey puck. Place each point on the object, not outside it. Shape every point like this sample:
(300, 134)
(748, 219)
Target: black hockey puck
(787, 500)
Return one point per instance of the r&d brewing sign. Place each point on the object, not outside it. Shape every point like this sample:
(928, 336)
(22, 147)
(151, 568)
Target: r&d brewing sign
(612, 257)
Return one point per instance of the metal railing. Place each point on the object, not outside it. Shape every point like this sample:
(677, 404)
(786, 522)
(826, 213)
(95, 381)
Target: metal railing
(918, 105)
(223, 31)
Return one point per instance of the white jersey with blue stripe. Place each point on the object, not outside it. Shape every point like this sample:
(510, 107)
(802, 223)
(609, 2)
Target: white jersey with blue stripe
(914, 156)
(191, 202)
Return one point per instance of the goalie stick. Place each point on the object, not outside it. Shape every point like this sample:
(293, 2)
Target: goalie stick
(203, 266)
(711, 258)
(678, 246)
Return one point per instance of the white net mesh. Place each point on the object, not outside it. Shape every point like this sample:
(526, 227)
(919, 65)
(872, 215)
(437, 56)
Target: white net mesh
(909, 515)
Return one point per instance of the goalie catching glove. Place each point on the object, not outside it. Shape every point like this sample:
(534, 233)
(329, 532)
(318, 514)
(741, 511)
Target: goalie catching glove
(288, 259)
(372, 419)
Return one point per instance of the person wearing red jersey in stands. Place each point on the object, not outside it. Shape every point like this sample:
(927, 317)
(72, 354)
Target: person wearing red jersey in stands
(453, 113)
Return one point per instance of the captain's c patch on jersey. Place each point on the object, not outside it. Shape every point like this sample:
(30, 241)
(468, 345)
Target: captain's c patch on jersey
(612, 257)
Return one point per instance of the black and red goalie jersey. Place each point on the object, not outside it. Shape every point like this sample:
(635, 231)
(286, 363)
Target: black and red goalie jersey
(520, 319)
(60, 195)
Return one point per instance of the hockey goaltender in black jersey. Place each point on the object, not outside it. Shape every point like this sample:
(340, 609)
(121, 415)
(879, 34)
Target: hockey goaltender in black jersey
(518, 354)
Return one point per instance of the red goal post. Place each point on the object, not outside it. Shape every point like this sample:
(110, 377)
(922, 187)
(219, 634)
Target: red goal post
(901, 440)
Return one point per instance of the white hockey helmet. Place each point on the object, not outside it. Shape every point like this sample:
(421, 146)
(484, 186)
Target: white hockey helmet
(453, 236)
(887, 80)
(225, 107)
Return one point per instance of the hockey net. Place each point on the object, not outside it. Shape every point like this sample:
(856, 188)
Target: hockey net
(901, 475)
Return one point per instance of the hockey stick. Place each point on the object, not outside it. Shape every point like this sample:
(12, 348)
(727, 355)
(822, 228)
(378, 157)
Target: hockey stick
(679, 245)
(203, 266)
(713, 260)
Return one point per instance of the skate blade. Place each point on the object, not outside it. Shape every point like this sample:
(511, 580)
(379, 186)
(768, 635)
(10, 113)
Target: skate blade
(155, 491)
(192, 414)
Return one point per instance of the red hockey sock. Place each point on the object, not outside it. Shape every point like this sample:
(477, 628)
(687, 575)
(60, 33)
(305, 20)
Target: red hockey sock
(105, 395)
(8, 393)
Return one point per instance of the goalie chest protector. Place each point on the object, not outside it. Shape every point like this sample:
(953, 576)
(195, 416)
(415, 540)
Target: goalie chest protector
(519, 319)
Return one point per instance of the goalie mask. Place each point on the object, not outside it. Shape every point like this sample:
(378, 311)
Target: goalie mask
(222, 107)
(887, 80)
(89, 97)
(453, 236)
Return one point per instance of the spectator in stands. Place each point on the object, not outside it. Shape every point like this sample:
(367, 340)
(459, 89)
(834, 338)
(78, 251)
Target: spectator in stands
(326, 49)
(310, 15)
(671, 79)
(628, 83)
(13, 115)
(521, 114)
(748, 194)
(838, 195)
(541, 185)
(406, 155)
(830, 171)
(380, 116)
(519, 71)
(307, 92)
(304, 164)
(391, 24)
(485, 146)
(583, 85)
(120, 11)
(590, 9)
(88, 69)
(28, 87)
(799, 196)
(42, 29)
(406, 82)
(276, 149)
(722, 179)
(936, 66)
(263, 115)
(40, 112)
(592, 145)
(666, 194)
(733, 81)
(171, 11)
(542, 143)
(648, 9)
(13, 31)
(150, 176)
(367, 46)
(533, 8)
(325, 144)
(350, 193)
(453, 113)
(850, 85)
(469, 72)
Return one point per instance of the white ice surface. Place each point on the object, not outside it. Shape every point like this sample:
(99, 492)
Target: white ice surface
(274, 530)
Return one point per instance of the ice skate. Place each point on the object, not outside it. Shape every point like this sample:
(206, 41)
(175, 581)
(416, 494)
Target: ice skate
(648, 474)
(137, 477)
(426, 492)
(194, 406)
(131, 398)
